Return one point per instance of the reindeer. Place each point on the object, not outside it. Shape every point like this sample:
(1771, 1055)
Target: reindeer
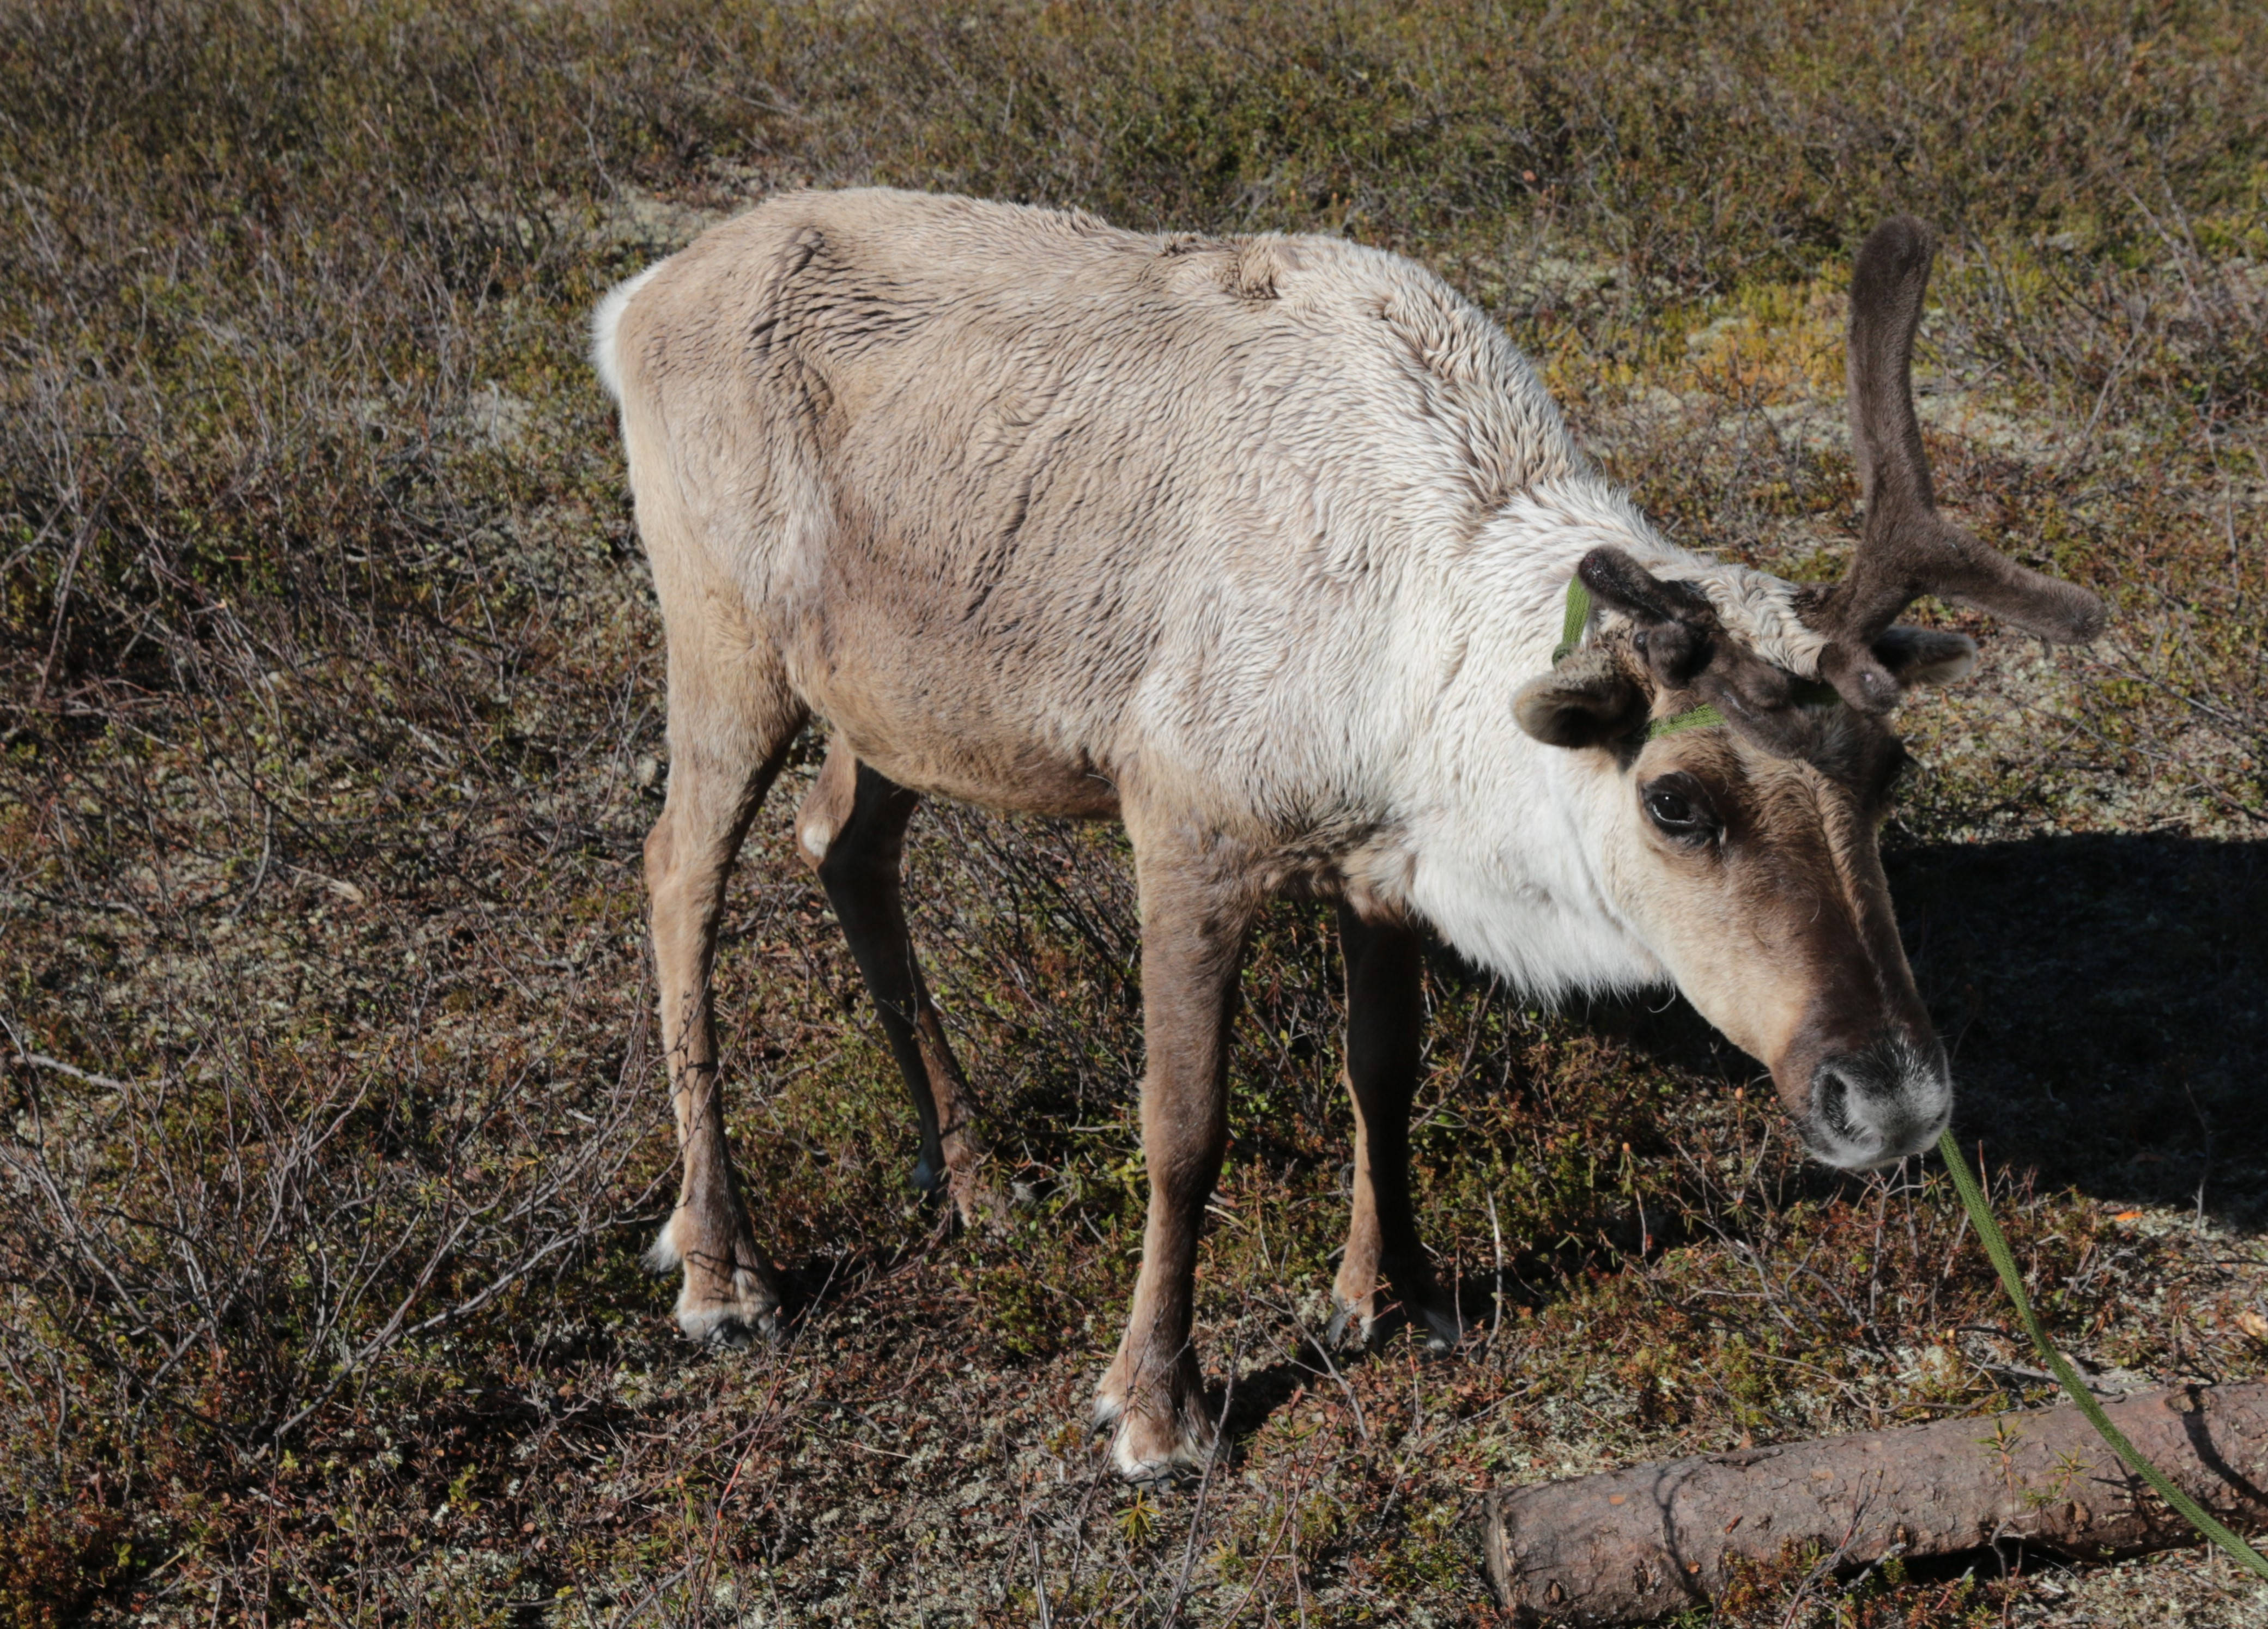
(1274, 549)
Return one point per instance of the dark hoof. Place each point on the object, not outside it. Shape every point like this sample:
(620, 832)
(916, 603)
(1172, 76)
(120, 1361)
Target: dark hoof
(926, 1178)
(1443, 1328)
(737, 1333)
(730, 1331)
(1166, 1476)
(1437, 1325)
(741, 1334)
(1347, 1332)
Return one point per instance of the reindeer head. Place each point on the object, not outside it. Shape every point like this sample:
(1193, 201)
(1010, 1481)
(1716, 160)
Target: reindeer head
(1744, 851)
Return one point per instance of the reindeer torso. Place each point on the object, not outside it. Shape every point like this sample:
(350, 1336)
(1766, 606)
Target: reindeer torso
(1046, 507)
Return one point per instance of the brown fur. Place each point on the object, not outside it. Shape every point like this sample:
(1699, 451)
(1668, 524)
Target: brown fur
(851, 828)
(1384, 1038)
(1805, 959)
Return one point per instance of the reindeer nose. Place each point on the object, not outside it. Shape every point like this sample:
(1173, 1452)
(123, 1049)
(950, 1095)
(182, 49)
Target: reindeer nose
(1878, 1103)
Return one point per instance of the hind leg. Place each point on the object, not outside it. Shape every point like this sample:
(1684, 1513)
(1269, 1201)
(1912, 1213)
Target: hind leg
(732, 720)
(851, 828)
(1386, 1017)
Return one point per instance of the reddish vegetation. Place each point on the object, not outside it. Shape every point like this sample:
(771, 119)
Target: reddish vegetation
(329, 707)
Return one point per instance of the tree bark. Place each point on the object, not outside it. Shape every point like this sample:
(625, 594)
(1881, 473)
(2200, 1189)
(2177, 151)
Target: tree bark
(1633, 1544)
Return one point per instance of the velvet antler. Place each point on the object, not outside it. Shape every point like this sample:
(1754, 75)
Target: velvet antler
(1678, 635)
(1906, 548)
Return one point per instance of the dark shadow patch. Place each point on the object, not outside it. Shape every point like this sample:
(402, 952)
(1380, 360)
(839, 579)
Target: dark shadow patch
(2104, 999)
(2105, 1003)
(1258, 1395)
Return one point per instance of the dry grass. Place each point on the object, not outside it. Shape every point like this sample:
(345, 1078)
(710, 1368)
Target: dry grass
(332, 727)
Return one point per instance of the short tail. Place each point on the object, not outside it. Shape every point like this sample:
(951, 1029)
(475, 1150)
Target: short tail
(605, 321)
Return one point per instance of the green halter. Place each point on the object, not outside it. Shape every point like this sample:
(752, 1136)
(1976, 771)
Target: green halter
(1571, 636)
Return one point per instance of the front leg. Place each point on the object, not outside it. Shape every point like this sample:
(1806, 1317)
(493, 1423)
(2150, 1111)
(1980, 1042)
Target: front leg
(1196, 911)
(1385, 1019)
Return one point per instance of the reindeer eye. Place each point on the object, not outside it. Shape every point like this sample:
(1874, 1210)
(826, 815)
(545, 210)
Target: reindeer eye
(1672, 811)
(1678, 809)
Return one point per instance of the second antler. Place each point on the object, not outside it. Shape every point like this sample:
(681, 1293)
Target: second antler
(1906, 548)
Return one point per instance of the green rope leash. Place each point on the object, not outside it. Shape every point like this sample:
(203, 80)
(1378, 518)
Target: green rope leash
(2004, 1263)
(1702, 717)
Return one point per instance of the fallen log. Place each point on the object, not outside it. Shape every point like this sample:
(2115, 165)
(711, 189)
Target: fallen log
(1629, 1545)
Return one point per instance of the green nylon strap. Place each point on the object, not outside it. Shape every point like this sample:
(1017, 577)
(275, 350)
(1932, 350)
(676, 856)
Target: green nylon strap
(1699, 718)
(2004, 1263)
(1579, 618)
(1571, 638)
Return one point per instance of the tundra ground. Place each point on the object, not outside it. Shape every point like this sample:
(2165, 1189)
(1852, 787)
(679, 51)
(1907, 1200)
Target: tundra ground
(331, 726)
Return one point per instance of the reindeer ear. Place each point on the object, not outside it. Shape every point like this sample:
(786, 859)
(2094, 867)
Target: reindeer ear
(1925, 656)
(1587, 701)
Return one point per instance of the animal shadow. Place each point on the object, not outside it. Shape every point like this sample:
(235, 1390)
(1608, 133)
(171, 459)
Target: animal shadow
(2105, 1002)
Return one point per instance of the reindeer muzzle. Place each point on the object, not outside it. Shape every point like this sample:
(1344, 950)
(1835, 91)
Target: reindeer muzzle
(1878, 1103)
